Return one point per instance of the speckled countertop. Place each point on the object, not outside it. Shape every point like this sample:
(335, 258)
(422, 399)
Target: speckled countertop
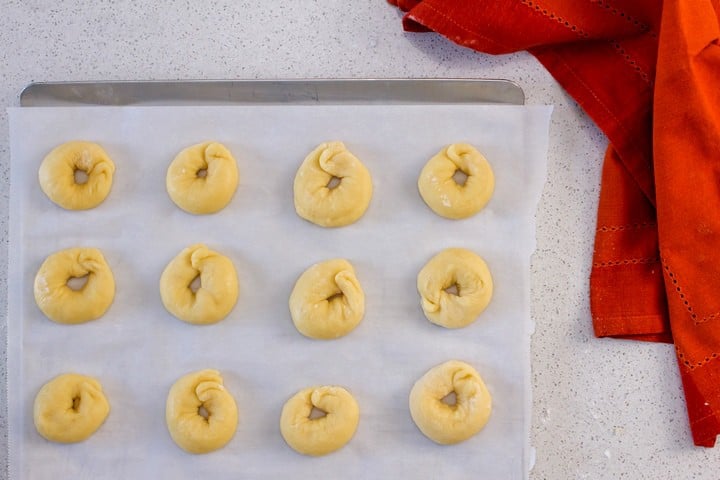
(602, 408)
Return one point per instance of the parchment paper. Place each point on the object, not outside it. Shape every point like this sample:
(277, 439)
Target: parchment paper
(138, 350)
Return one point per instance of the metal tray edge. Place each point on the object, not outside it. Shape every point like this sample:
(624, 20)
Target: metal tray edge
(297, 91)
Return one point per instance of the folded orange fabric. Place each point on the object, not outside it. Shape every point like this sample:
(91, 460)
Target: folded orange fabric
(686, 139)
(644, 71)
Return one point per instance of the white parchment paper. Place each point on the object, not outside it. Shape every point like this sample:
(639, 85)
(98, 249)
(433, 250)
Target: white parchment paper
(138, 350)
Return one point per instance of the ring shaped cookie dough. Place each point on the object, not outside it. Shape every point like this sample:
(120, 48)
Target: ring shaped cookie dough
(323, 435)
(218, 291)
(444, 195)
(327, 301)
(57, 175)
(468, 274)
(344, 204)
(202, 178)
(70, 408)
(189, 429)
(443, 423)
(61, 303)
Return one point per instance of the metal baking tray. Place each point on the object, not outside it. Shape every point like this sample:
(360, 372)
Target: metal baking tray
(252, 93)
(247, 92)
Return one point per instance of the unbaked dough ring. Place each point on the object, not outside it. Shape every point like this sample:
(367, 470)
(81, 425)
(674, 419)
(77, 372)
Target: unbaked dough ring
(70, 408)
(199, 194)
(319, 436)
(444, 195)
(464, 270)
(57, 175)
(218, 291)
(327, 301)
(61, 303)
(448, 424)
(190, 430)
(316, 202)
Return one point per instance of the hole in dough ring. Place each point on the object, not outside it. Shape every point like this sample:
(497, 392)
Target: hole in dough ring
(62, 304)
(202, 178)
(57, 175)
(319, 436)
(218, 291)
(70, 408)
(463, 269)
(190, 430)
(444, 195)
(322, 204)
(327, 300)
(448, 424)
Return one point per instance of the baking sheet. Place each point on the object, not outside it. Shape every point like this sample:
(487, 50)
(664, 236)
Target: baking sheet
(138, 350)
(278, 91)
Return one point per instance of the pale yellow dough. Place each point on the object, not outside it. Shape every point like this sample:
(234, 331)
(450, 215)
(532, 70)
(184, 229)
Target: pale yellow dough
(327, 301)
(70, 408)
(323, 435)
(332, 207)
(199, 194)
(61, 303)
(190, 430)
(449, 424)
(57, 175)
(218, 291)
(444, 195)
(468, 273)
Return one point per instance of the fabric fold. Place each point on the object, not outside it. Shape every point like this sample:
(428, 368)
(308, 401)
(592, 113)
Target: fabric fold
(687, 163)
(627, 295)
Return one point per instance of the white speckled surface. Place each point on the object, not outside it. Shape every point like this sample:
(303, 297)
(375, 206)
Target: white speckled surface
(602, 408)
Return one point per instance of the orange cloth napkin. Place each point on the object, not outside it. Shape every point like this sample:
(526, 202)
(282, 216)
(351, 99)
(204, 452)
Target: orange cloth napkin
(645, 72)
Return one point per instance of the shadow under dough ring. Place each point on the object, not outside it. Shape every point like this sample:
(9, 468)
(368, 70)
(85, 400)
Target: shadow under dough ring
(62, 304)
(444, 195)
(218, 291)
(459, 269)
(192, 429)
(70, 408)
(323, 435)
(318, 200)
(58, 169)
(202, 178)
(327, 300)
(446, 423)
